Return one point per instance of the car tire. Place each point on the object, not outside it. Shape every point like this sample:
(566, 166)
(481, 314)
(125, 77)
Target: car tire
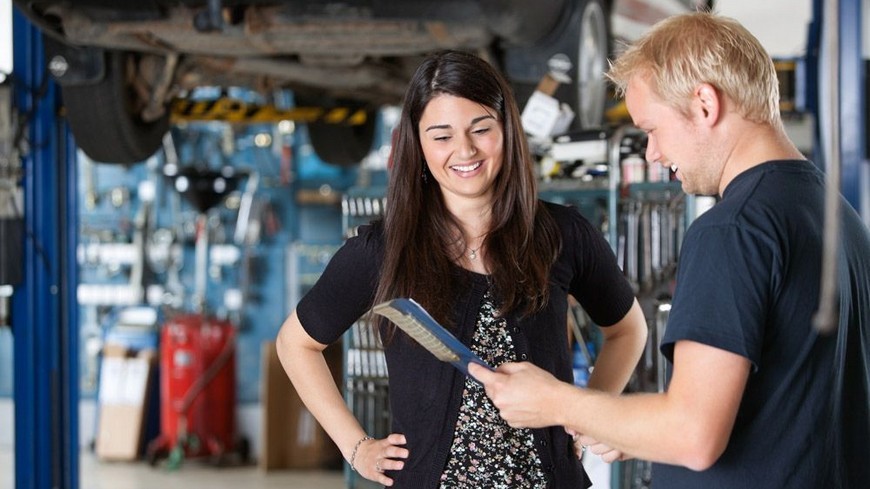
(343, 144)
(104, 116)
(583, 37)
(588, 90)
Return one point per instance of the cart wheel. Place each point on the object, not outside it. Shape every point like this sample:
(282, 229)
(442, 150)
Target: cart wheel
(176, 457)
(156, 451)
(217, 452)
(243, 448)
(218, 459)
(192, 442)
(155, 456)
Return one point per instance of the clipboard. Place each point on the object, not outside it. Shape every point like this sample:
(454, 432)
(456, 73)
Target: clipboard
(411, 318)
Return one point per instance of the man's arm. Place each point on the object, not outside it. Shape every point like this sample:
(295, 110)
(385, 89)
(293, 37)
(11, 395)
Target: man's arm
(688, 425)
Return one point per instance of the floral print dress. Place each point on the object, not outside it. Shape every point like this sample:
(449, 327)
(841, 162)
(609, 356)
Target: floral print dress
(486, 452)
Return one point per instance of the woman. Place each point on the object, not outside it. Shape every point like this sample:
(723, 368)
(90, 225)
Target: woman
(464, 235)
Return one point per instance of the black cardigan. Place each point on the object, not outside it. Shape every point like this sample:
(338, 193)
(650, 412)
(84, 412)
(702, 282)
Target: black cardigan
(425, 393)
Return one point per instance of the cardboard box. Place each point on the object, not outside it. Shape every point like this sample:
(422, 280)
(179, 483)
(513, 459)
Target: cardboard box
(125, 379)
(292, 438)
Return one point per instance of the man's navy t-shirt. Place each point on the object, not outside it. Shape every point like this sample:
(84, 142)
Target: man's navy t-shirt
(748, 282)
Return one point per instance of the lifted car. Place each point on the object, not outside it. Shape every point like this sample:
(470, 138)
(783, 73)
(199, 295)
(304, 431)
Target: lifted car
(120, 63)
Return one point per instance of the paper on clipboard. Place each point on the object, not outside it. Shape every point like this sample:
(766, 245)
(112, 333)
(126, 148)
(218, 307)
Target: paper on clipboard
(411, 318)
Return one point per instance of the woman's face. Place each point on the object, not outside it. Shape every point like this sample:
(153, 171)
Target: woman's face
(463, 144)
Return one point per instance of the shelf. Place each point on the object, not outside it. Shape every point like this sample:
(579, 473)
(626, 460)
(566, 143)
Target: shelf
(651, 191)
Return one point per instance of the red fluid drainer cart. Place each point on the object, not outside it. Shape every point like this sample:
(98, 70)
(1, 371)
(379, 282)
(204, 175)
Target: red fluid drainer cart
(197, 389)
(197, 354)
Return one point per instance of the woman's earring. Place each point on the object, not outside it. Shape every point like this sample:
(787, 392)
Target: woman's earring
(423, 174)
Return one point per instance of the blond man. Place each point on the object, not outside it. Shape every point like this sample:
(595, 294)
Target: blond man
(756, 397)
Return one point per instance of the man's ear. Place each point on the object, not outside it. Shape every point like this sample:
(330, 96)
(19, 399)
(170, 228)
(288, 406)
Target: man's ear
(708, 103)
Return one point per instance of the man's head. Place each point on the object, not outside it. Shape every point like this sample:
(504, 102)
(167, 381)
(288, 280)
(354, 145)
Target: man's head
(683, 51)
(698, 85)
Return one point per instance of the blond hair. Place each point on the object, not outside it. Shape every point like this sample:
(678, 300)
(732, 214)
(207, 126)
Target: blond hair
(683, 51)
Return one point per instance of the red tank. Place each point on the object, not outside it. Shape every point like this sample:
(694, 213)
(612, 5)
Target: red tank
(197, 389)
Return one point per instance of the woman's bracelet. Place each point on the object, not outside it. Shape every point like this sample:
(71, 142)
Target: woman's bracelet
(355, 448)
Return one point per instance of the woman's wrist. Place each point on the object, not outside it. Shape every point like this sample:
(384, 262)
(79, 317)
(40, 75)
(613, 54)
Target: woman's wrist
(356, 449)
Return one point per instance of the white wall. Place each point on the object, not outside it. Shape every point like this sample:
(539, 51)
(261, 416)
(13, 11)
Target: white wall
(780, 25)
(7, 425)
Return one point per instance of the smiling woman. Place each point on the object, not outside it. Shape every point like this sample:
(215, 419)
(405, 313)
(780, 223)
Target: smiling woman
(462, 146)
(465, 236)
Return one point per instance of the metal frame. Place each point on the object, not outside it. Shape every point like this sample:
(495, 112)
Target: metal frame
(44, 313)
(852, 108)
(850, 115)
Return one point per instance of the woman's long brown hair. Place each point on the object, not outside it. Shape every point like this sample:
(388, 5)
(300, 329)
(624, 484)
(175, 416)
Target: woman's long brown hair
(421, 235)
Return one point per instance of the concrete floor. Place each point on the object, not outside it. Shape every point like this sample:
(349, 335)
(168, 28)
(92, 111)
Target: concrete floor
(192, 475)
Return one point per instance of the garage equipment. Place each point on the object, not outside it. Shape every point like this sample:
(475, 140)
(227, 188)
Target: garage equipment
(197, 351)
(366, 383)
(197, 390)
(11, 196)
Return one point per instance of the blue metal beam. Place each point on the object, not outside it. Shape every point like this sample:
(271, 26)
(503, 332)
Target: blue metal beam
(44, 316)
(852, 117)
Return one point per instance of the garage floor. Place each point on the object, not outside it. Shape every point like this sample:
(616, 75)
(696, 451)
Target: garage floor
(99, 475)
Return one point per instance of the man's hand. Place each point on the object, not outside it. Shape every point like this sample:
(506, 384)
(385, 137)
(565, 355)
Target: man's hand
(525, 395)
(587, 444)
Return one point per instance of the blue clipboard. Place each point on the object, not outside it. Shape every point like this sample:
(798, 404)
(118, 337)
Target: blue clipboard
(411, 318)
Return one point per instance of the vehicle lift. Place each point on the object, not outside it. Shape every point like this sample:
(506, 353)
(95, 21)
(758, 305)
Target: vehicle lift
(44, 310)
(44, 307)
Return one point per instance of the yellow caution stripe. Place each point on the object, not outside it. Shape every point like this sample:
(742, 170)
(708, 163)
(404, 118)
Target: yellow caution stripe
(237, 111)
(786, 73)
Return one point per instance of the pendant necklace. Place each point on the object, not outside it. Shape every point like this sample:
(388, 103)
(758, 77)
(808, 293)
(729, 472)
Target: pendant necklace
(473, 253)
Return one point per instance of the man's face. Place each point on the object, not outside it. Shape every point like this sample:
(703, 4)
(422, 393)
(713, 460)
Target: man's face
(674, 140)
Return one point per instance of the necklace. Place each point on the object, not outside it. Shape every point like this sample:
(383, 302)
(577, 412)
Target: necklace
(473, 253)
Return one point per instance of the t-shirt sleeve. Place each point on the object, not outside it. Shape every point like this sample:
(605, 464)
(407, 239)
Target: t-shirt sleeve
(345, 290)
(723, 288)
(598, 284)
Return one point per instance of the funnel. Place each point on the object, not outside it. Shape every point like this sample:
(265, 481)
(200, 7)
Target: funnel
(205, 188)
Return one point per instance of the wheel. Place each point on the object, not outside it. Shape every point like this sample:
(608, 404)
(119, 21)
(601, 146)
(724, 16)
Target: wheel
(340, 143)
(104, 116)
(156, 451)
(343, 145)
(154, 457)
(590, 63)
(243, 448)
(581, 39)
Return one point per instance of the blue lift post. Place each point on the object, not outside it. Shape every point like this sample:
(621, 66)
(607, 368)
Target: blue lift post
(853, 121)
(44, 312)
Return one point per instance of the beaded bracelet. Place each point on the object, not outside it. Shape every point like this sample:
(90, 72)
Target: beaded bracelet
(355, 448)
